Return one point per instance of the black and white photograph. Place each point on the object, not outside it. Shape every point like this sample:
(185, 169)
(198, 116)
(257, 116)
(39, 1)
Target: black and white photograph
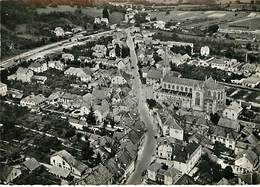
(130, 92)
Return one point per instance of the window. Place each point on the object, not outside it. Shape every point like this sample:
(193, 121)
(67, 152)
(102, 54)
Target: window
(190, 89)
(186, 89)
(173, 87)
(164, 85)
(177, 87)
(169, 86)
(181, 88)
(197, 99)
(63, 163)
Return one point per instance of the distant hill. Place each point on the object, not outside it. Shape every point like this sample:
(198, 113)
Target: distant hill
(98, 2)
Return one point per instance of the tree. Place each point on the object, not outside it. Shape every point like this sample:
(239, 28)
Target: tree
(91, 119)
(86, 151)
(70, 133)
(151, 103)
(213, 28)
(118, 50)
(214, 118)
(228, 172)
(125, 52)
(249, 47)
(105, 13)
(98, 159)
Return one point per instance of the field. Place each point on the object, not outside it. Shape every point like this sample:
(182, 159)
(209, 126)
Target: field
(250, 23)
(115, 17)
(202, 19)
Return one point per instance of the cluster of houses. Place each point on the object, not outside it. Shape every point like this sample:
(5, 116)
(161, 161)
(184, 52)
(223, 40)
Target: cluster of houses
(185, 136)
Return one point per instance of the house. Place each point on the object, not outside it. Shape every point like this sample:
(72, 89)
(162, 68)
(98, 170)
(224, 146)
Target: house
(59, 32)
(185, 180)
(33, 101)
(162, 174)
(219, 63)
(154, 78)
(78, 124)
(245, 162)
(65, 160)
(22, 74)
(9, 173)
(223, 181)
(31, 164)
(39, 67)
(56, 65)
(230, 124)
(181, 157)
(15, 94)
(170, 127)
(125, 162)
(84, 74)
(223, 135)
(100, 175)
(251, 81)
(118, 79)
(99, 51)
(39, 79)
(202, 140)
(3, 89)
(67, 57)
(232, 111)
(249, 178)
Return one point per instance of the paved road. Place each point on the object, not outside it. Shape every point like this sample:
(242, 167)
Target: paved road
(145, 158)
(50, 48)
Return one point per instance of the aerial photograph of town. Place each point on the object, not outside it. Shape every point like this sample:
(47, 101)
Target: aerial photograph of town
(130, 92)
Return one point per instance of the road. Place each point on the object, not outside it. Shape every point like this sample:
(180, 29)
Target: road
(148, 146)
(47, 49)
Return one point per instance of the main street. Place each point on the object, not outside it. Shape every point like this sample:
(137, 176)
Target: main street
(148, 146)
(47, 49)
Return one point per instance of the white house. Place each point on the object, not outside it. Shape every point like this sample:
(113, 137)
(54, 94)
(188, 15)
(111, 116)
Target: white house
(232, 111)
(56, 65)
(38, 67)
(245, 162)
(3, 89)
(219, 63)
(22, 74)
(162, 174)
(225, 136)
(32, 101)
(9, 173)
(65, 160)
(118, 79)
(59, 32)
(170, 127)
(83, 73)
(67, 56)
(181, 157)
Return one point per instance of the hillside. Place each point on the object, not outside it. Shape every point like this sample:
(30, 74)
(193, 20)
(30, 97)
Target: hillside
(99, 2)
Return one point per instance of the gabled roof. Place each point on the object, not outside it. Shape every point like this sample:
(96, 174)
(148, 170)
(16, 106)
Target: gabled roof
(223, 181)
(23, 70)
(154, 74)
(172, 123)
(228, 123)
(81, 167)
(31, 164)
(250, 155)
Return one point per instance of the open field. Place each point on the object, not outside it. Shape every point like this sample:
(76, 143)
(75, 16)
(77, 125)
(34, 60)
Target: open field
(115, 17)
(202, 19)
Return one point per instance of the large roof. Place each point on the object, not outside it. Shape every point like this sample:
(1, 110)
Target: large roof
(154, 74)
(71, 160)
(182, 81)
